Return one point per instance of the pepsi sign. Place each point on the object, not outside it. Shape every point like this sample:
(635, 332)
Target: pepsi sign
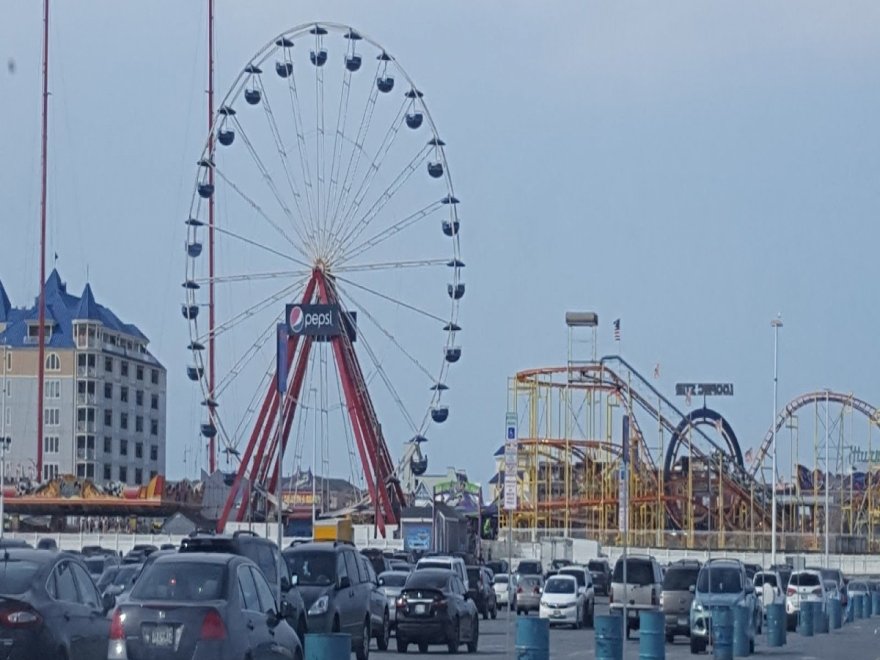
(319, 321)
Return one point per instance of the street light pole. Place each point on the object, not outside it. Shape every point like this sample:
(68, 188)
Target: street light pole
(827, 485)
(775, 324)
(4, 446)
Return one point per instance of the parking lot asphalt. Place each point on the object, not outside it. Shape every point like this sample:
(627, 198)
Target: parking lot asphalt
(860, 639)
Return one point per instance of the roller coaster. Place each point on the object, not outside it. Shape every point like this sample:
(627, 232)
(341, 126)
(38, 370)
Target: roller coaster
(690, 484)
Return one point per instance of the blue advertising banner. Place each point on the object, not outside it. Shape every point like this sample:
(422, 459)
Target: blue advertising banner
(320, 321)
(281, 358)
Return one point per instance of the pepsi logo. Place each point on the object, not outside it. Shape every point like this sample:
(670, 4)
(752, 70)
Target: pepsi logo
(297, 319)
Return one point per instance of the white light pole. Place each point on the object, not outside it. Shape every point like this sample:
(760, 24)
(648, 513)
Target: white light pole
(4, 447)
(775, 324)
(827, 485)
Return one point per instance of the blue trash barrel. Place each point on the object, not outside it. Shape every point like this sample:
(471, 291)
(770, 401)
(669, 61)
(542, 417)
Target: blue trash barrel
(834, 614)
(327, 645)
(722, 633)
(609, 636)
(860, 606)
(532, 638)
(869, 604)
(820, 620)
(776, 621)
(875, 600)
(741, 619)
(851, 610)
(652, 635)
(805, 619)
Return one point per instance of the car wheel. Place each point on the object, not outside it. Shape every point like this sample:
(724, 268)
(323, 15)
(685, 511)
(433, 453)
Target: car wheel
(696, 646)
(402, 644)
(454, 638)
(670, 638)
(591, 613)
(578, 620)
(475, 637)
(495, 612)
(423, 647)
(335, 626)
(485, 612)
(363, 652)
(301, 629)
(384, 635)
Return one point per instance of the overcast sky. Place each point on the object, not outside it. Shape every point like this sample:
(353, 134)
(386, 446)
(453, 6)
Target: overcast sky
(691, 168)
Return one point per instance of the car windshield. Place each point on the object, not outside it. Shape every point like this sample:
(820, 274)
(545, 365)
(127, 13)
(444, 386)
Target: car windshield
(858, 586)
(830, 585)
(829, 574)
(393, 579)
(638, 571)
(680, 579)
(180, 582)
(596, 566)
(501, 578)
(804, 580)
(576, 574)
(723, 580)
(95, 565)
(529, 582)
(312, 568)
(556, 585)
(434, 564)
(473, 575)
(16, 576)
(426, 580)
(765, 578)
(529, 568)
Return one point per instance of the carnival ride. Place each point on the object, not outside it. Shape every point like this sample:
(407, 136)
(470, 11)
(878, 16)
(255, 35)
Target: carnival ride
(689, 482)
(325, 171)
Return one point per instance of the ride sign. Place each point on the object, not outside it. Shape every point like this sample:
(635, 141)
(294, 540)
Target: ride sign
(320, 321)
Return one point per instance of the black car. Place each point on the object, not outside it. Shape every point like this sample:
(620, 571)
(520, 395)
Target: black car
(97, 564)
(434, 608)
(198, 606)
(265, 554)
(498, 566)
(530, 567)
(50, 607)
(380, 562)
(600, 569)
(481, 592)
(117, 580)
(337, 590)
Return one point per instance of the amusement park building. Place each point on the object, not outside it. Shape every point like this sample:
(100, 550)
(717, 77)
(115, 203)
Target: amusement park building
(104, 397)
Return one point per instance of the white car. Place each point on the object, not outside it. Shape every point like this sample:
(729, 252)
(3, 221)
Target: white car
(768, 589)
(561, 602)
(585, 586)
(803, 586)
(505, 591)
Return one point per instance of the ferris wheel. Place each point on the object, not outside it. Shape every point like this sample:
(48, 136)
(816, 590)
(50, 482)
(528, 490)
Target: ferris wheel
(335, 220)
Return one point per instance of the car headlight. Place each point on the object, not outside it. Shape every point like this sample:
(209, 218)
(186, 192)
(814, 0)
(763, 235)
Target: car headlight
(698, 606)
(544, 603)
(320, 606)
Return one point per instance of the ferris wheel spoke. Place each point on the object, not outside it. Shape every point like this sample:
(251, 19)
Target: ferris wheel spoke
(256, 244)
(249, 312)
(390, 299)
(389, 232)
(361, 225)
(389, 335)
(320, 156)
(293, 94)
(250, 412)
(304, 213)
(256, 207)
(338, 144)
(391, 265)
(247, 355)
(253, 277)
(375, 165)
(357, 149)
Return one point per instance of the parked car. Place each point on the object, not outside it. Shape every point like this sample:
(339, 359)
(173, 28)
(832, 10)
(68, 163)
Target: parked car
(679, 585)
(644, 582)
(481, 591)
(528, 593)
(498, 566)
(751, 569)
(380, 611)
(784, 571)
(51, 607)
(768, 589)
(336, 590)
(585, 588)
(562, 602)
(857, 588)
(399, 565)
(117, 580)
(434, 608)
(47, 543)
(504, 586)
(266, 555)
(530, 567)
(803, 586)
(97, 564)
(403, 555)
(600, 569)
(391, 583)
(378, 559)
(446, 562)
(202, 605)
(837, 576)
(92, 550)
(721, 583)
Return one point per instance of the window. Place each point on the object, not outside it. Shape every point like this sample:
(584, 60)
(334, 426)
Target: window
(154, 376)
(123, 421)
(50, 444)
(8, 389)
(138, 476)
(53, 389)
(154, 453)
(53, 362)
(108, 446)
(51, 416)
(107, 473)
(138, 424)
(81, 470)
(724, 580)
(139, 450)
(139, 397)
(139, 372)
(123, 473)
(351, 566)
(9, 417)
(108, 418)
(154, 427)
(267, 600)
(123, 368)
(108, 390)
(108, 365)
(249, 597)
(123, 447)
(153, 474)
(123, 394)
(154, 402)
(64, 584)
(50, 471)
(88, 594)
(9, 362)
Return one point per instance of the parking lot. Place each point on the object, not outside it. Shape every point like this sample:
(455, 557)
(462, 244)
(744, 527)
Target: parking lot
(860, 639)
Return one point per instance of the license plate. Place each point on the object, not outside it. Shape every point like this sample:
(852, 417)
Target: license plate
(160, 636)
(683, 621)
(421, 609)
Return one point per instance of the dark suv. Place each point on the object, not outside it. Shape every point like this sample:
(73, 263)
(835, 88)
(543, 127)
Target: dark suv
(264, 553)
(601, 572)
(341, 593)
(679, 584)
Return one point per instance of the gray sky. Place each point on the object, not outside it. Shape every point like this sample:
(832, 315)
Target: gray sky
(691, 168)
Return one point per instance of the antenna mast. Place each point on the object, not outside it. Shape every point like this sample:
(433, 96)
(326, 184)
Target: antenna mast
(44, 157)
(212, 452)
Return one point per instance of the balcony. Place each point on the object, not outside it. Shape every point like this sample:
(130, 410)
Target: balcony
(85, 426)
(86, 372)
(85, 399)
(85, 454)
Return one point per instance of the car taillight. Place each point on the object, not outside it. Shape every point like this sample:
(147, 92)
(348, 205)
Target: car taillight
(817, 591)
(213, 626)
(117, 649)
(400, 603)
(791, 591)
(117, 630)
(20, 617)
(536, 590)
(661, 599)
(519, 590)
(440, 603)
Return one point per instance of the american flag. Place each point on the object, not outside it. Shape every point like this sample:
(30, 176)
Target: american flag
(750, 456)
(617, 330)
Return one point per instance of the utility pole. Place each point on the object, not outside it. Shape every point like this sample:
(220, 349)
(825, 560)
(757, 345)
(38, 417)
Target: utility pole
(775, 324)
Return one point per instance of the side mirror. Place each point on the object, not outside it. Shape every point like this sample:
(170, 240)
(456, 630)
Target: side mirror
(108, 602)
(692, 589)
(344, 582)
(381, 582)
(285, 585)
(287, 611)
(294, 580)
